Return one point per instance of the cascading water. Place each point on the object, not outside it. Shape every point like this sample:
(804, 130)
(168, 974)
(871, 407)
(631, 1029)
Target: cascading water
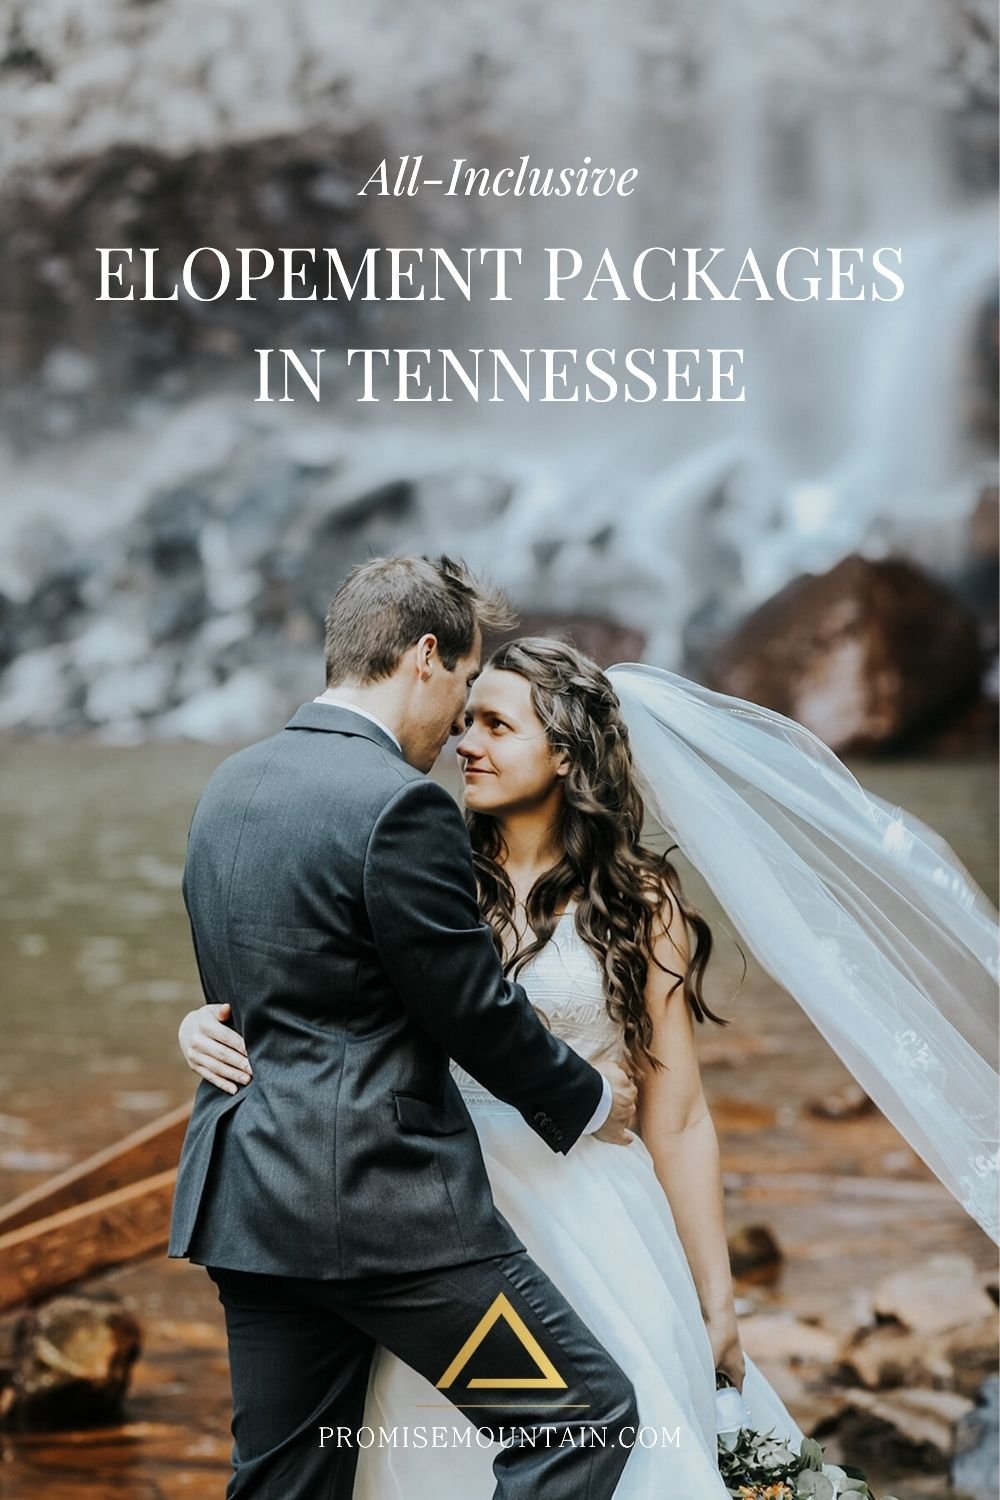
(757, 123)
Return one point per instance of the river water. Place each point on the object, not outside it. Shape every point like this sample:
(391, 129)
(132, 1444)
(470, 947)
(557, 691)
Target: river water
(97, 972)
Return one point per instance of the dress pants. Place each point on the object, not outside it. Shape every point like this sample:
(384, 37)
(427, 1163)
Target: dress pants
(300, 1352)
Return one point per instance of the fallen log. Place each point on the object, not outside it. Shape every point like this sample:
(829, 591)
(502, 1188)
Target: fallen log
(63, 1248)
(110, 1209)
(153, 1149)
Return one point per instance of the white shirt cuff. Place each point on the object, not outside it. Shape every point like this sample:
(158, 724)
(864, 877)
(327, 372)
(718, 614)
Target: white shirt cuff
(602, 1111)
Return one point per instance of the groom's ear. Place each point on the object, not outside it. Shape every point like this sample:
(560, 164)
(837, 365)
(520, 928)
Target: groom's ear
(426, 650)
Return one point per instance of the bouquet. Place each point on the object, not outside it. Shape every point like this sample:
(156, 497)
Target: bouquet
(759, 1466)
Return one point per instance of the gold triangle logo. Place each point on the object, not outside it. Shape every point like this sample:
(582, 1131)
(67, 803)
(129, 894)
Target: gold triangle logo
(548, 1380)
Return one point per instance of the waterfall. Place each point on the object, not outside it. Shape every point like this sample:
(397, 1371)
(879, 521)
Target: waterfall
(757, 123)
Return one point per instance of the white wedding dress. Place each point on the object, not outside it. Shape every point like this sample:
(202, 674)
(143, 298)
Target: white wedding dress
(598, 1223)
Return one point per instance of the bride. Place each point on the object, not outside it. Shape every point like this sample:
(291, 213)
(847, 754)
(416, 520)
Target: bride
(596, 928)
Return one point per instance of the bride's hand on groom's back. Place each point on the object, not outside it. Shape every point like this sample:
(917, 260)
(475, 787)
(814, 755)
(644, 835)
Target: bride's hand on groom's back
(213, 1050)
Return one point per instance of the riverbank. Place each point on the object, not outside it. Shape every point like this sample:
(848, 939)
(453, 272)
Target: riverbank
(100, 974)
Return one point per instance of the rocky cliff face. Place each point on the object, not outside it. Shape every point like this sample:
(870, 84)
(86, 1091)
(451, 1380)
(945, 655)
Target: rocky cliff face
(163, 542)
(77, 78)
(70, 364)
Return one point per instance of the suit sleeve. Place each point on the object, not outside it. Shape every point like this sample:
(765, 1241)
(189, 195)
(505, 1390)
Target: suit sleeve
(420, 894)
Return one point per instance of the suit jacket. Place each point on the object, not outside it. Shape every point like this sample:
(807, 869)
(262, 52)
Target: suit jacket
(332, 902)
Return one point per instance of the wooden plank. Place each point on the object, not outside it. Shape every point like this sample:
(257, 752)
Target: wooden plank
(54, 1252)
(154, 1148)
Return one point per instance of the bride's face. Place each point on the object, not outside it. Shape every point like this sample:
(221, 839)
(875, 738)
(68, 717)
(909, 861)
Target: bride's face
(508, 765)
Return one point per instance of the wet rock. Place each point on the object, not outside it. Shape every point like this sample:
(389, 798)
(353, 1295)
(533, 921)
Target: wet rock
(252, 533)
(925, 1421)
(984, 525)
(809, 1403)
(177, 611)
(72, 1361)
(169, 532)
(607, 641)
(111, 641)
(868, 655)
(775, 1337)
(848, 1102)
(9, 634)
(731, 1112)
(164, 554)
(69, 361)
(974, 733)
(68, 372)
(315, 448)
(463, 501)
(40, 547)
(972, 1350)
(281, 589)
(373, 510)
(979, 582)
(940, 1293)
(223, 633)
(890, 1355)
(239, 709)
(126, 693)
(36, 690)
(983, 381)
(977, 1447)
(300, 577)
(52, 611)
(265, 507)
(754, 1252)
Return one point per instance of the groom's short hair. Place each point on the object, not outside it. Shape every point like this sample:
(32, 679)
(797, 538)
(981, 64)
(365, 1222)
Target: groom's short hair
(385, 605)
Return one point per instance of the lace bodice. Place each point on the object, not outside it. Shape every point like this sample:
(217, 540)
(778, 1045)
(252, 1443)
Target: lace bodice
(563, 981)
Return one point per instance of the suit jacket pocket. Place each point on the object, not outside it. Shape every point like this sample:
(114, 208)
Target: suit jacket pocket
(423, 1118)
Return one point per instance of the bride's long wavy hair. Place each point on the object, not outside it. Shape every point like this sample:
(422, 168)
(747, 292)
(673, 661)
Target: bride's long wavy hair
(619, 885)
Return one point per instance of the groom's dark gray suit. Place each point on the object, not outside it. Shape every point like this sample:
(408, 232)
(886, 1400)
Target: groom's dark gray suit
(340, 1200)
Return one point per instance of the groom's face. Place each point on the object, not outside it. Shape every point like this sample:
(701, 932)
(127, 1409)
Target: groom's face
(439, 706)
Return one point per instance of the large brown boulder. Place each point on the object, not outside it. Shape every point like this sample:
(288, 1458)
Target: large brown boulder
(868, 655)
(606, 641)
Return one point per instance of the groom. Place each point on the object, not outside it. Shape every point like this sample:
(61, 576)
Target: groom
(340, 1200)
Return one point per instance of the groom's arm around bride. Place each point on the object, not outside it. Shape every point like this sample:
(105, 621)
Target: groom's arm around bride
(340, 1200)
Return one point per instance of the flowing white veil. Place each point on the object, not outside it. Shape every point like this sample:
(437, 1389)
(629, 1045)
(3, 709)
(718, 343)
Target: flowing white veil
(861, 912)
